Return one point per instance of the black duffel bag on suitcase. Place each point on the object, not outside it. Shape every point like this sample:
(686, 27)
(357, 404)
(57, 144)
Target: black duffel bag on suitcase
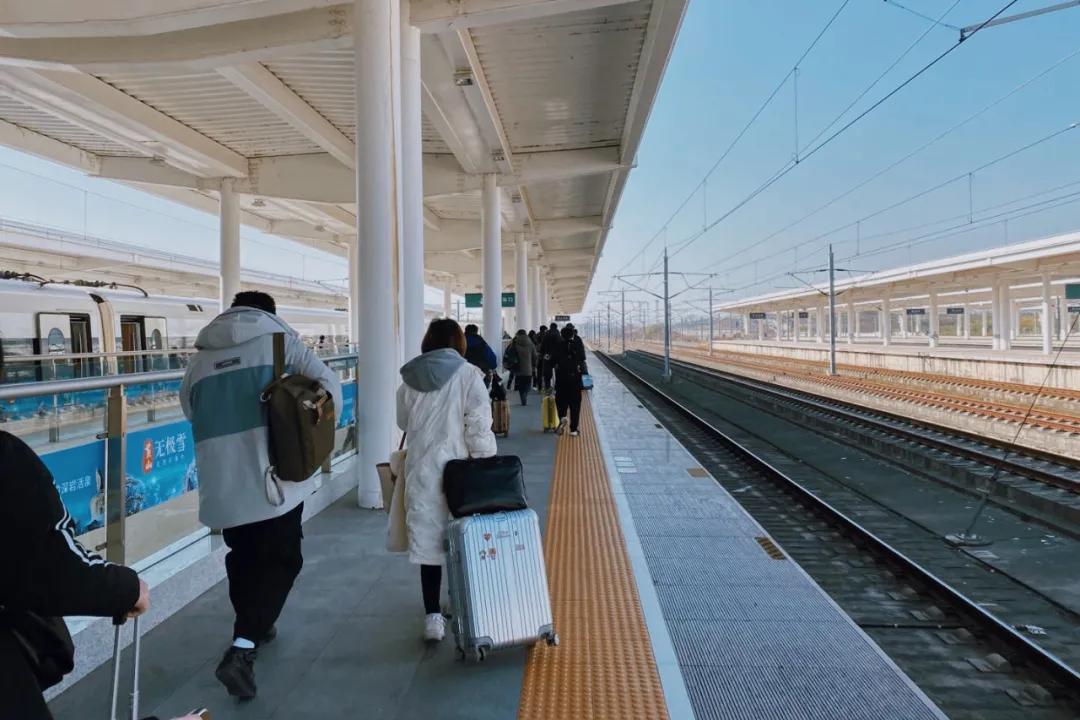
(484, 485)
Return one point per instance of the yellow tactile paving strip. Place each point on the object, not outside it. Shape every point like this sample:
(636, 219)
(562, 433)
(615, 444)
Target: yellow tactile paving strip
(604, 665)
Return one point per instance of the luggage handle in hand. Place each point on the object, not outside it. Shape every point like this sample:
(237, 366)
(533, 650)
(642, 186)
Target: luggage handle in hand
(118, 623)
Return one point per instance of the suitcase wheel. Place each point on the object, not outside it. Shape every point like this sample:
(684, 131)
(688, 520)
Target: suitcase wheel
(553, 639)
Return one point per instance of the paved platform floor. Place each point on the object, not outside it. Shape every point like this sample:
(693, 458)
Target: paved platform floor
(349, 641)
(754, 636)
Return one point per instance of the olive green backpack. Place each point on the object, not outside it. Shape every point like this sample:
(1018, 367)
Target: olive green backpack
(301, 419)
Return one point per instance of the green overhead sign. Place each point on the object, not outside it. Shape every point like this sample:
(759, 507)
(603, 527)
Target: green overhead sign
(476, 300)
(1072, 291)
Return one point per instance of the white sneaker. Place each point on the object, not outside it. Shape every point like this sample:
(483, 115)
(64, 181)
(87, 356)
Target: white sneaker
(434, 627)
(574, 433)
(563, 424)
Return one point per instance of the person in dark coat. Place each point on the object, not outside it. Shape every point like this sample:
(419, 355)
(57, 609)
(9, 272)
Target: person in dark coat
(568, 362)
(538, 380)
(479, 353)
(47, 573)
(527, 357)
(552, 339)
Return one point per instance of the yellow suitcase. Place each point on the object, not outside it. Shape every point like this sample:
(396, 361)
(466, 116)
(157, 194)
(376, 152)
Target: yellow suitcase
(550, 413)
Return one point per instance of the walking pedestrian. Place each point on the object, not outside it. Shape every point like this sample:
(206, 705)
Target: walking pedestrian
(568, 361)
(527, 357)
(479, 353)
(552, 339)
(238, 493)
(444, 410)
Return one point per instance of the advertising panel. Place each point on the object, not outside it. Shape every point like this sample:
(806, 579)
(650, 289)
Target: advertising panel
(79, 475)
(160, 465)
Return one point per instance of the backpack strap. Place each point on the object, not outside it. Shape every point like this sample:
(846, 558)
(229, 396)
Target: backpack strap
(279, 354)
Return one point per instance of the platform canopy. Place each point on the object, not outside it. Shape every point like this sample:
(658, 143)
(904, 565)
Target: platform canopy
(969, 277)
(174, 96)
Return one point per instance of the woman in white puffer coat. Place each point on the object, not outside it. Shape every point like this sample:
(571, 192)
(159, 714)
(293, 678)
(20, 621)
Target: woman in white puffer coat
(443, 407)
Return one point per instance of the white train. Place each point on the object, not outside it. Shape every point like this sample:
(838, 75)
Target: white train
(59, 319)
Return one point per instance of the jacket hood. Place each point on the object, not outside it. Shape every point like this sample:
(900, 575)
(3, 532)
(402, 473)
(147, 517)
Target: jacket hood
(431, 370)
(471, 340)
(237, 326)
(522, 340)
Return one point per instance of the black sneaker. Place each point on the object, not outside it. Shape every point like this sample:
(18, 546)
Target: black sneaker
(236, 671)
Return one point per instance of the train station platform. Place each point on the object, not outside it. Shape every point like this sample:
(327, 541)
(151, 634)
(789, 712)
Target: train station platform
(666, 601)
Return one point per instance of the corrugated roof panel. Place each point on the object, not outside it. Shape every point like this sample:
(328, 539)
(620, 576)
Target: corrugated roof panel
(569, 198)
(565, 82)
(325, 81)
(465, 206)
(211, 105)
(51, 126)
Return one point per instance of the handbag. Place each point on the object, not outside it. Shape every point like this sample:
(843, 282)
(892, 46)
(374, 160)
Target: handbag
(388, 472)
(484, 485)
(45, 643)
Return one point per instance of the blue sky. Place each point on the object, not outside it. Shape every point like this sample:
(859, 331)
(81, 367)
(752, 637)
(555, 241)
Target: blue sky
(729, 56)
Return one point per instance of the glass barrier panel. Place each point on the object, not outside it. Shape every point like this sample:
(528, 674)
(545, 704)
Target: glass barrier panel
(162, 480)
(346, 439)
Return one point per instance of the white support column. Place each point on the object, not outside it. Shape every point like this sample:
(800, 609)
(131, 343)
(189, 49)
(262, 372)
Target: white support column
(448, 296)
(375, 25)
(230, 244)
(935, 325)
(965, 320)
(886, 322)
(544, 295)
(761, 328)
(1064, 319)
(522, 283)
(491, 240)
(535, 319)
(820, 324)
(1047, 318)
(354, 291)
(1005, 312)
(412, 192)
(852, 321)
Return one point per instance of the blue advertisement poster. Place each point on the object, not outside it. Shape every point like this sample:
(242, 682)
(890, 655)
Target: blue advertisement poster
(78, 474)
(160, 465)
(348, 402)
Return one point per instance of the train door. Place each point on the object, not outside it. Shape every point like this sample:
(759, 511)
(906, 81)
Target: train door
(156, 338)
(132, 339)
(60, 334)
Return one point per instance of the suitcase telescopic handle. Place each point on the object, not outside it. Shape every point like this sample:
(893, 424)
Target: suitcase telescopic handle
(118, 623)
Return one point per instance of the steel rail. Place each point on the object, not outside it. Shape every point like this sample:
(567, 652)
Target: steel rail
(887, 422)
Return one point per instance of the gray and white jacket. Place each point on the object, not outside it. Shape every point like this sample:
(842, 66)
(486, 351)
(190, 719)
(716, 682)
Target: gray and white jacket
(220, 396)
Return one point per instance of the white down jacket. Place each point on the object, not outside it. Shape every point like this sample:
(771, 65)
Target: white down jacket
(443, 407)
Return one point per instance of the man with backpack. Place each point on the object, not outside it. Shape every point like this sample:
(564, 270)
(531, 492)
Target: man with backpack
(239, 492)
(552, 340)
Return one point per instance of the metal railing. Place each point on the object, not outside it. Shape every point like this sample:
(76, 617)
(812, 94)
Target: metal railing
(116, 426)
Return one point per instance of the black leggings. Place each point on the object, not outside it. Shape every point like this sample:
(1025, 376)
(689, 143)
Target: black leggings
(522, 384)
(430, 584)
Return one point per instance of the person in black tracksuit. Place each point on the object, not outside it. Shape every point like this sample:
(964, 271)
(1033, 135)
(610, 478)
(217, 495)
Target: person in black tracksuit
(47, 572)
(552, 340)
(568, 362)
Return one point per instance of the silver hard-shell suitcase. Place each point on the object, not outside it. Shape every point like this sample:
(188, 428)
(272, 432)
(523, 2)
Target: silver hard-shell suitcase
(498, 584)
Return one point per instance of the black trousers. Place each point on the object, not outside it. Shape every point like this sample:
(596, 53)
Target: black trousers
(568, 398)
(263, 562)
(547, 372)
(523, 382)
(430, 587)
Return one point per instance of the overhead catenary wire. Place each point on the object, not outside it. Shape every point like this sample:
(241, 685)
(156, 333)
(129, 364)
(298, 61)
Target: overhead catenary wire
(847, 126)
(739, 136)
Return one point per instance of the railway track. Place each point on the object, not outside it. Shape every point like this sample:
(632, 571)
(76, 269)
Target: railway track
(1012, 412)
(925, 603)
(1054, 471)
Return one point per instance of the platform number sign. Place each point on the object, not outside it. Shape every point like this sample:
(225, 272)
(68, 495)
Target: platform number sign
(1072, 291)
(916, 311)
(476, 300)
(803, 315)
(562, 318)
(954, 311)
(757, 316)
